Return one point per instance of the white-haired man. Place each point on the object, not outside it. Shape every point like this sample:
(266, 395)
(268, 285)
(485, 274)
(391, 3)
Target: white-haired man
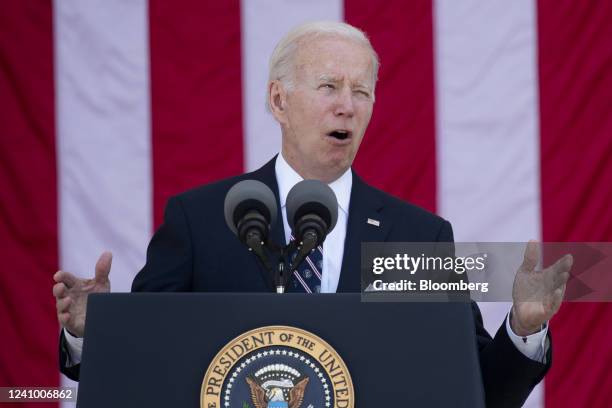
(321, 91)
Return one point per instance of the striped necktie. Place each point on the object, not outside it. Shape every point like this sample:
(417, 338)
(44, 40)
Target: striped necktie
(307, 277)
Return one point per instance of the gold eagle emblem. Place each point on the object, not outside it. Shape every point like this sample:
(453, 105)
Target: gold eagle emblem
(274, 396)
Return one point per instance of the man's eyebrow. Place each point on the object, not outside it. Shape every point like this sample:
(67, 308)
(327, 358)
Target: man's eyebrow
(362, 86)
(328, 78)
(335, 79)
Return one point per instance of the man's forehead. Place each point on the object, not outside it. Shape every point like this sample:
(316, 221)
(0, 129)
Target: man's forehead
(333, 58)
(329, 46)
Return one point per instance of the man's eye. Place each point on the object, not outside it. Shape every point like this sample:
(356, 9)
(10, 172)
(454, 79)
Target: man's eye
(328, 86)
(364, 93)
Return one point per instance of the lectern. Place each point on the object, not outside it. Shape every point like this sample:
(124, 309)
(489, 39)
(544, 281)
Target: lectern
(268, 350)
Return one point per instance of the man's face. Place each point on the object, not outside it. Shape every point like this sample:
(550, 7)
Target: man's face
(325, 115)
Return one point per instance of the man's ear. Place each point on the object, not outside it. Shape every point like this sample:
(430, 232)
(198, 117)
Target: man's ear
(277, 98)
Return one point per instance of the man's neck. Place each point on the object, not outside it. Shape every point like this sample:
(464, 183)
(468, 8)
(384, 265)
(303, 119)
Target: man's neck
(325, 177)
(287, 178)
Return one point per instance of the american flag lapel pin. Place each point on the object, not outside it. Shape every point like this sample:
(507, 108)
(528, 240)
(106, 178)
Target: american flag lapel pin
(376, 223)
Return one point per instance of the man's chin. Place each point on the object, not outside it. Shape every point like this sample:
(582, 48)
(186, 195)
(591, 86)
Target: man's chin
(333, 168)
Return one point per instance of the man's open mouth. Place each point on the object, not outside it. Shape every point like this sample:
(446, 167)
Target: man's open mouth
(340, 134)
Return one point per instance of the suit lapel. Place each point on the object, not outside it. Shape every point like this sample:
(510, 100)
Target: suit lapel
(365, 205)
(267, 175)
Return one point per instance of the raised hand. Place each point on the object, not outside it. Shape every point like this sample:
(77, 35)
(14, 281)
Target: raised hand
(71, 294)
(537, 294)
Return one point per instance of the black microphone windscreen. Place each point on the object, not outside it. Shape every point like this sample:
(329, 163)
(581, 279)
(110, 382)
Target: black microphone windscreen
(249, 195)
(312, 196)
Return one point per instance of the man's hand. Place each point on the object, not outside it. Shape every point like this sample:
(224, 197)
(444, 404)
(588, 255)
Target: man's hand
(537, 294)
(71, 294)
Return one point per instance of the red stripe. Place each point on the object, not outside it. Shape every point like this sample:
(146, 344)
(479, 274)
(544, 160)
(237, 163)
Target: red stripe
(398, 153)
(196, 94)
(575, 75)
(28, 198)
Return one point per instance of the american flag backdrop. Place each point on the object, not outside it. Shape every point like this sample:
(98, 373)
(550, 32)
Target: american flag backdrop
(495, 114)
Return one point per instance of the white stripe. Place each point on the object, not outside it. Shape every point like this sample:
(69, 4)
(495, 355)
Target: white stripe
(264, 22)
(314, 268)
(299, 278)
(103, 136)
(487, 125)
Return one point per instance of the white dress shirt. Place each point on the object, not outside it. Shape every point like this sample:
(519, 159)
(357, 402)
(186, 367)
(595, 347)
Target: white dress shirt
(333, 246)
(533, 346)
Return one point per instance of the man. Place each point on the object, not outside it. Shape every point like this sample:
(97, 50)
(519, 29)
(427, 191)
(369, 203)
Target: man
(321, 91)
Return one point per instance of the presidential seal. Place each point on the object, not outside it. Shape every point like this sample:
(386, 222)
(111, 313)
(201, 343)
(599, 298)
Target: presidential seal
(277, 367)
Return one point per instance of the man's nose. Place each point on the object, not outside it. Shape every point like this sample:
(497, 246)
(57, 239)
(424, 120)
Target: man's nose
(344, 103)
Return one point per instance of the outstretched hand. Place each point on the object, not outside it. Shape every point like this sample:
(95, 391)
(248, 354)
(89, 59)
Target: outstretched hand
(537, 294)
(71, 294)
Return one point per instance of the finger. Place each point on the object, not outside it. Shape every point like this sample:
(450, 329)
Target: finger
(559, 271)
(63, 305)
(531, 257)
(553, 300)
(558, 298)
(103, 267)
(561, 291)
(60, 290)
(65, 277)
(63, 318)
(564, 263)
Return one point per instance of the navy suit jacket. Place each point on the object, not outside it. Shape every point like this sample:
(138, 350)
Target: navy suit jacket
(194, 251)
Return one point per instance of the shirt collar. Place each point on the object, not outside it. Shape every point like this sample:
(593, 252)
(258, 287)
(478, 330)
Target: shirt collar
(286, 178)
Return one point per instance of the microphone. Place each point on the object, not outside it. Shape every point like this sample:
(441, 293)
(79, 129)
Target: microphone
(312, 211)
(250, 211)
